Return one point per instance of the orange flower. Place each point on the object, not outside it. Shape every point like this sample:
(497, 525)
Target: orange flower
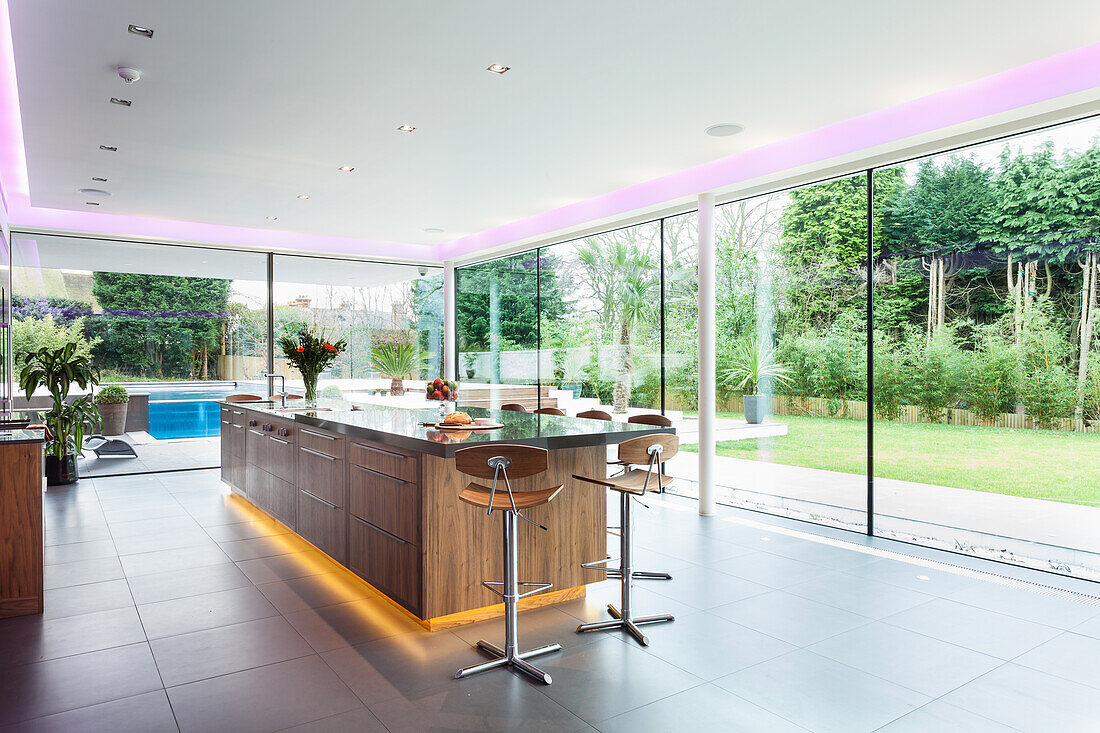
(300, 349)
(330, 347)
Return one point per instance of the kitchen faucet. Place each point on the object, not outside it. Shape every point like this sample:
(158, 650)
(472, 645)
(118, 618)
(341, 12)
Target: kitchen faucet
(271, 385)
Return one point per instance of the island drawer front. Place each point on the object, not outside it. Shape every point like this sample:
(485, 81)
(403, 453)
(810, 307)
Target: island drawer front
(388, 563)
(386, 460)
(256, 450)
(322, 441)
(322, 475)
(386, 502)
(282, 500)
(234, 436)
(323, 524)
(237, 417)
(282, 457)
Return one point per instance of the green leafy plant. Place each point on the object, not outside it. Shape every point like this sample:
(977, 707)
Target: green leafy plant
(311, 353)
(57, 370)
(397, 361)
(112, 394)
(751, 362)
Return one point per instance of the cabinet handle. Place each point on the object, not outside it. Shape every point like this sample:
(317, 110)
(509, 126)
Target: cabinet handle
(318, 435)
(318, 454)
(252, 423)
(379, 474)
(267, 427)
(226, 422)
(283, 431)
(277, 440)
(238, 427)
(402, 456)
(311, 495)
(367, 524)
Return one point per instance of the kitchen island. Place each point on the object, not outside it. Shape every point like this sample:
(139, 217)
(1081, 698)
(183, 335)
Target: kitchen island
(377, 491)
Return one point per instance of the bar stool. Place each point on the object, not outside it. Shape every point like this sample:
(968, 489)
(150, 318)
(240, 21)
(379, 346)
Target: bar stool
(648, 450)
(595, 415)
(550, 411)
(658, 420)
(513, 407)
(242, 398)
(502, 462)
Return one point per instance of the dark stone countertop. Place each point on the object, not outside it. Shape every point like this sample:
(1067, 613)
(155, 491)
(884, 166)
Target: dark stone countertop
(402, 427)
(22, 435)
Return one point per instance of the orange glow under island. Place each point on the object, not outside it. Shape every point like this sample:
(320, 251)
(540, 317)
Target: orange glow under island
(377, 492)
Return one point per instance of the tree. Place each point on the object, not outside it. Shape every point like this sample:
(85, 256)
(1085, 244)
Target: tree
(168, 325)
(29, 335)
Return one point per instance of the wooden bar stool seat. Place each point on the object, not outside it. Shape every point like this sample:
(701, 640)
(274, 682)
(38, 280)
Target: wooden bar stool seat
(502, 463)
(595, 415)
(550, 411)
(650, 451)
(242, 398)
(513, 407)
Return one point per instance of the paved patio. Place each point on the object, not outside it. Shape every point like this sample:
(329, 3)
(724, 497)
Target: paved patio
(170, 606)
(154, 455)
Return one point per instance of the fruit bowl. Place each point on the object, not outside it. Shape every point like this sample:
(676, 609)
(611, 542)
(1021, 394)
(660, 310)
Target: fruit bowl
(442, 390)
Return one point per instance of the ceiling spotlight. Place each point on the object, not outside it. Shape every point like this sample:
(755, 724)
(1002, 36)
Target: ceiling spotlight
(110, 148)
(406, 128)
(138, 30)
(123, 102)
(304, 196)
(498, 68)
(923, 577)
(725, 129)
(347, 168)
(433, 230)
(94, 192)
(91, 203)
(128, 74)
(97, 178)
(272, 218)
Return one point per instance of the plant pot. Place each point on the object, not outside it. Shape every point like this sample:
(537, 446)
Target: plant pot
(470, 373)
(114, 417)
(397, 387)
(61, 471)
(755, 405)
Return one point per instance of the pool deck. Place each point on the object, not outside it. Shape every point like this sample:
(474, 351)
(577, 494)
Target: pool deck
(155, 455)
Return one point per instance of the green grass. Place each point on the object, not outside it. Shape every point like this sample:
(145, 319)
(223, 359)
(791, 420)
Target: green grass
(1032, 463)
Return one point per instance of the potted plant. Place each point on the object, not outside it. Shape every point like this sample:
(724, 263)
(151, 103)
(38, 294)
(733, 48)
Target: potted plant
(57, 370)
(469, 359)
(311, 353)
(111, 401)
(749, 364)
(396, 361)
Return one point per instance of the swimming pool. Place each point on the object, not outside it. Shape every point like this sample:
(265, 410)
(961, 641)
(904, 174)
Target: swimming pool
(189, 410)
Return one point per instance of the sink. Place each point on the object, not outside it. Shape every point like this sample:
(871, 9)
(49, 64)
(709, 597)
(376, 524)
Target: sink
(303, 409)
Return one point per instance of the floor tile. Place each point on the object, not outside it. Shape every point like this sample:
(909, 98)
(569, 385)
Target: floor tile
(164, 541)
(182, 583)
(383, 669)
(164, 525)
(974, 628)
(286, 567)
(695, 548)
(244, 530)
(820, 553)
(1070, 656)
(145, 713)
(537, 627)
(771, 570)
(206, 611)
(263, 699)
(93, 550)
(74, 600)
(29, 639)
(202, 654)
(793, 619)
(81, 572)
(265, 546)
(313, 591)
(1063, 613)
(1089, 628)
(68, 683)
(609, 677)
(593, 607)
(709, 647)
(1029, 700)
(921, 663)
(360, 720)
(348, 624)
(912, 576)
(702, 708)
(859, 595)
(822, 695)
(154, 511)
(940, 717)
(494, 701)
(164, 561)
(67, 535)
(703, 588)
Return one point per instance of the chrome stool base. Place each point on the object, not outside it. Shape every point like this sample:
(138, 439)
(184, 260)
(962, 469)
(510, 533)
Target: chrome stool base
(629, 624)
(517, 660)
(639, 574)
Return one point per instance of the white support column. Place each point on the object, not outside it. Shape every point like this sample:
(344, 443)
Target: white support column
(450, 353)
(707, 367)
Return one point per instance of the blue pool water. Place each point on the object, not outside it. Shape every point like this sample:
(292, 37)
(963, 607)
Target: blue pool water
(188, 411)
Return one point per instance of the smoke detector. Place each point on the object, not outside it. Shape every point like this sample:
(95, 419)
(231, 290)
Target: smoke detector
(128, 74)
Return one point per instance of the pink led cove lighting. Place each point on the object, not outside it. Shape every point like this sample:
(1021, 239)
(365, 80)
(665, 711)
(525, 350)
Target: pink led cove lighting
(1067, 73)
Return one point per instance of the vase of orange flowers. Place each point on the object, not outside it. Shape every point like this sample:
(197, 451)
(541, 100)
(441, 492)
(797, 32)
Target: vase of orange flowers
(311, 353)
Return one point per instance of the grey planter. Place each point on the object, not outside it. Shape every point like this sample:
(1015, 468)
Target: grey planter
(114, 417)
(755, 406)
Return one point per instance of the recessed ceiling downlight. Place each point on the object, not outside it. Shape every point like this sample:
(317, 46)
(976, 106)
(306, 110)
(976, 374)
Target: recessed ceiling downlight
(725, 129)
(139, 30)
(94, 192)
(303, 196)
(406, 128)
(433, 230)
(347, 168)
(272, 218)
(121, 102)
(498, 68)
(109, 148)
(97, 178)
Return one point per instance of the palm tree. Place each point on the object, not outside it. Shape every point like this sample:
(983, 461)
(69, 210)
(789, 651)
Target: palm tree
(397, 361)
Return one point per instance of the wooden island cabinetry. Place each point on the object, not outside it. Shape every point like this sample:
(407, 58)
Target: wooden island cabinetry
(378, 493)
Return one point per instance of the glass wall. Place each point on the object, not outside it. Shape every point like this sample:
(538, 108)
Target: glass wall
(986, 360)
(374, 308)
(986, 363)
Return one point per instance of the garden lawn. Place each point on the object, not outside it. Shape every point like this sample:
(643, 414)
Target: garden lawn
(1039, 464)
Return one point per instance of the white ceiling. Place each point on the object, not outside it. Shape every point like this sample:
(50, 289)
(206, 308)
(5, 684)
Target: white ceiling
(245, 105)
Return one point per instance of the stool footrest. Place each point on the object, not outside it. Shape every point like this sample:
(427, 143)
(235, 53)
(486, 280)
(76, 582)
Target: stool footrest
(535, 587)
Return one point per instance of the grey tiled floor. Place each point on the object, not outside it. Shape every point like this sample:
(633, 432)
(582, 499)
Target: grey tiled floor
(171, 608)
